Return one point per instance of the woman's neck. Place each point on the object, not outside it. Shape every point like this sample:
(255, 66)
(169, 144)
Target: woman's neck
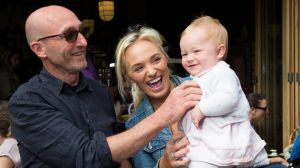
(157, 102)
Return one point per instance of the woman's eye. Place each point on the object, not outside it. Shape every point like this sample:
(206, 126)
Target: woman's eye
(137, 69)
(156, 59)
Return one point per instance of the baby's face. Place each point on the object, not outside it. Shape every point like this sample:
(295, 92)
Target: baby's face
(199, 52)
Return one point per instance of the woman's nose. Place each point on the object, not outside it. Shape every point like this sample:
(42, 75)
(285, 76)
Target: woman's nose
(151, 71)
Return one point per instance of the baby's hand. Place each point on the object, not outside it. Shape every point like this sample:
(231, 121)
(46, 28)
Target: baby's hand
(197, 116)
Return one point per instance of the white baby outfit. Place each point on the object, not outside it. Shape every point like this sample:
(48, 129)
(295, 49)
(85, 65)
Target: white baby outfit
(226, 136)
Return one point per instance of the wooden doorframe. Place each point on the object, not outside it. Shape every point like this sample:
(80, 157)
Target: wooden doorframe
(290, 61)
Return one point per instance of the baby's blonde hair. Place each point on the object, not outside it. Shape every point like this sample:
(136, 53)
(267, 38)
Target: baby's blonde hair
(215, 30)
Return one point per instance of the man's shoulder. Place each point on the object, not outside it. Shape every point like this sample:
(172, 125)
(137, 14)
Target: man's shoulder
(95, 84)
(32, 83)
(28, 88)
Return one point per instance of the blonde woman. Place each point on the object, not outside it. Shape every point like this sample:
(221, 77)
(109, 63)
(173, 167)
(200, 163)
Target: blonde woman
(142, 65)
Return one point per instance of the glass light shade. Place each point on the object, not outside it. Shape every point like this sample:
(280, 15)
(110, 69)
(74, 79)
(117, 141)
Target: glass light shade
(90, 24)
(106, 10)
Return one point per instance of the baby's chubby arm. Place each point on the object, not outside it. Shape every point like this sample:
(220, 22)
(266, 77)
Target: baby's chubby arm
(197, 116)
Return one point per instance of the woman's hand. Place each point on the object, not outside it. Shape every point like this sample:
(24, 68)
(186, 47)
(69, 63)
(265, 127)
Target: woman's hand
(176, 151)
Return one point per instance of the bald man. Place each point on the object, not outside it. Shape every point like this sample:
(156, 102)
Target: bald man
(62, 119)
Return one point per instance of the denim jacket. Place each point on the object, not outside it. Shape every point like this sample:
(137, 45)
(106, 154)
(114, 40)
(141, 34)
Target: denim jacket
(150, 154)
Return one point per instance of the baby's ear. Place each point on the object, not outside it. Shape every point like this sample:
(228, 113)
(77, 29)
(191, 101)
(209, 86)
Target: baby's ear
(221, 51)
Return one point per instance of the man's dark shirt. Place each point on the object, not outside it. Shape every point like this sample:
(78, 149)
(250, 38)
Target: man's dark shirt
(61, 126)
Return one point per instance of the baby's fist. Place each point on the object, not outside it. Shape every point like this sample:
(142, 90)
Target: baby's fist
(197, 116)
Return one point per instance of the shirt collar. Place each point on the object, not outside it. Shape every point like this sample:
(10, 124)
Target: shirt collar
(220, 63)
(57, 85)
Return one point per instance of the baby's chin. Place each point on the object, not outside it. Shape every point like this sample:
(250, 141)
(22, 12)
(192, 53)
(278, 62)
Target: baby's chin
(194, 73)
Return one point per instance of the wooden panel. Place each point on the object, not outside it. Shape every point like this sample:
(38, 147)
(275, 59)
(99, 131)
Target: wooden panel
(297, 68)
(291, 61)
(293, 39)
(286, 52)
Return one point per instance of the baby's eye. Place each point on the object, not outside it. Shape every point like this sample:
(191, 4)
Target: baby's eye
(197, 51)
(183, 54)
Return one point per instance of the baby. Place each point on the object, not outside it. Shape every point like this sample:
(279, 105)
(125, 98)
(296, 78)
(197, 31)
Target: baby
(218, 128)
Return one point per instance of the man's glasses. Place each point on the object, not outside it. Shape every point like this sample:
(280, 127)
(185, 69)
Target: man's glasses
(70, 34)
(262, 108)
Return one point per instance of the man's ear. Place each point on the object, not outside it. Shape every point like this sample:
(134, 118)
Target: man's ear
(221, 51)
(252, 111)
(38, 49)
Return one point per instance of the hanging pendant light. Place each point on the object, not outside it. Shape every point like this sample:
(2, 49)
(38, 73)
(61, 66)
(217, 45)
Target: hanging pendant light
(106, 10)
(90, 25)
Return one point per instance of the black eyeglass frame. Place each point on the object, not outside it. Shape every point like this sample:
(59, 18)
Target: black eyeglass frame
(262, 108)
(70, 35)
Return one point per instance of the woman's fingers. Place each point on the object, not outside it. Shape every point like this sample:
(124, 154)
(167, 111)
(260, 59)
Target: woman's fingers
(178, 135)
(177, 150)
(180, 163)
(182, 143)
